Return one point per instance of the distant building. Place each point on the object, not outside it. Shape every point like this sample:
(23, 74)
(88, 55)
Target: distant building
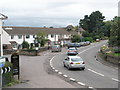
(17, 35)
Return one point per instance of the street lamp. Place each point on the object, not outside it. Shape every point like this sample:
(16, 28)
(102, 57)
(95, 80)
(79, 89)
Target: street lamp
(2, 17)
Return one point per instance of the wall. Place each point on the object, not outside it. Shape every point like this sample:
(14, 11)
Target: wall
(113, 59)
(5, 37)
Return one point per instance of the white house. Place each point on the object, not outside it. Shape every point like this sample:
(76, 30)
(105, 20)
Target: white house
(19, 34)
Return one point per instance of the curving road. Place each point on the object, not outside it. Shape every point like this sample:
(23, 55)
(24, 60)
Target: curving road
(96, 75)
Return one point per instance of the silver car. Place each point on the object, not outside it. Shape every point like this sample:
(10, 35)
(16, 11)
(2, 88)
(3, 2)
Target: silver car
(56, 48)
(72, 51)
(74, 62)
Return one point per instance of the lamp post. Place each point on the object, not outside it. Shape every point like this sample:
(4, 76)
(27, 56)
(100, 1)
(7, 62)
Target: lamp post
(2, 17)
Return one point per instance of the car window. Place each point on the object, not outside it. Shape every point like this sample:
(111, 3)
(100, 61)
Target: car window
(72, 49)
(76, 59)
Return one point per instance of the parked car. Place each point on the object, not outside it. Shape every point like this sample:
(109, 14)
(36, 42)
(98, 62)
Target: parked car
(88, 42)
(74, 62)
(77, 45)
(82, 43)
(56, 48)
(72, 51)
(71, 45)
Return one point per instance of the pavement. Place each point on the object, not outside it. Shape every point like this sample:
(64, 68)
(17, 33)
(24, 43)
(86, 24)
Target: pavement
(35, 72)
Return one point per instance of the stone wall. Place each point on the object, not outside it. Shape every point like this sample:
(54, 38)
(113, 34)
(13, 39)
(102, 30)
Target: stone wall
(113, 59)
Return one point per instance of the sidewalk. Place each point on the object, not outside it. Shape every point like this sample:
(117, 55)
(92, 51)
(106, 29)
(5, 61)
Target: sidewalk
(36, 71)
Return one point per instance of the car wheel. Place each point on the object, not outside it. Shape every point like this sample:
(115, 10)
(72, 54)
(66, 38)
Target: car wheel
(64, 65)
(68, 68)
(83, 68)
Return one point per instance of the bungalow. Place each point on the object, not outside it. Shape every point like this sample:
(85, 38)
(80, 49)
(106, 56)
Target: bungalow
(17, 35)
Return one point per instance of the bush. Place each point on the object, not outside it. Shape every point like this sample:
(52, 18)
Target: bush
(25, 44)
(116, 50)
(75, 38)
(89, 39)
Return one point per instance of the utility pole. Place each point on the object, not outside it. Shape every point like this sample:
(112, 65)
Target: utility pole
(2, 17)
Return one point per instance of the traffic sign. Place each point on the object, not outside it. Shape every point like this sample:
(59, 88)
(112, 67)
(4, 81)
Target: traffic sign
(2, 61)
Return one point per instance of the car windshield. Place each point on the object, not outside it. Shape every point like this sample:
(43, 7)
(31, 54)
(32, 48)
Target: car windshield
(76, 59)
(55, 46)
(72, 49)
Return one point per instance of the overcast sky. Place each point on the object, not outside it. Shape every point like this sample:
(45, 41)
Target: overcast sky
(56, 13)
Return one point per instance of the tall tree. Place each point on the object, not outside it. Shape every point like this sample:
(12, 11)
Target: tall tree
(93, 23)
(114, 39)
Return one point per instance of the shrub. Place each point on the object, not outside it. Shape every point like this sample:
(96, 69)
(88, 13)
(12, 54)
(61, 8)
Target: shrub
(88, 39)
(25, 44)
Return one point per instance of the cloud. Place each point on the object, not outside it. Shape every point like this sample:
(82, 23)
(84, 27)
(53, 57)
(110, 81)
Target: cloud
(18, 10)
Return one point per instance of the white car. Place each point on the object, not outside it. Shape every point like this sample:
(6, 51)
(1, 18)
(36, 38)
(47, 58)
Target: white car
(74, 62)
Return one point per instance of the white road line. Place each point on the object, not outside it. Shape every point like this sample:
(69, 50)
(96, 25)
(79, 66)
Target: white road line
(81, 83)
(53, 68)
(59, 72)
(115, 80)
(72, 79)
(65, 76)
(56, 70)
(96, 72)
(90, 87)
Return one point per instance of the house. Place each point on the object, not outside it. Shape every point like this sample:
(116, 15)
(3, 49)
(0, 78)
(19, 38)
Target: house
(19, 34)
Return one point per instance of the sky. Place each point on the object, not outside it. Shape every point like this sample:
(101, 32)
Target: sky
(55, 13)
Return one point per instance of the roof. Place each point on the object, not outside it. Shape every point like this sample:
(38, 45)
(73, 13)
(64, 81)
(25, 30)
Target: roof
(35, 30)
(74, 57)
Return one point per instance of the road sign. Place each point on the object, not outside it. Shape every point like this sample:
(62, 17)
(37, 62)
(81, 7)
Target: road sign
(2, 61)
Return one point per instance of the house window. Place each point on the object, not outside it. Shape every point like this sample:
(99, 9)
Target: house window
(19, 36)
(33, 36)
(52, 35)
(12, 36)
(27, 36)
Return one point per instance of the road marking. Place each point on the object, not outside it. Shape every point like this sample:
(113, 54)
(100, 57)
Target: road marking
(96, 72)
(90, 87)
(115, 80)
(59, 72)
(53, 68)
(72, 79)
(65, 76)
(81, 83)
(56, 70)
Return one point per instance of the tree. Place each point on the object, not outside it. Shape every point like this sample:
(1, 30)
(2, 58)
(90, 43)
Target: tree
(41, 38)
(93, 23)
(69, 28)
(75, 38)
(84, 23)
(115, 32)
(25, 44)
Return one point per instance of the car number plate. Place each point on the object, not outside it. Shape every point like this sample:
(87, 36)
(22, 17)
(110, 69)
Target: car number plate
(77, 63)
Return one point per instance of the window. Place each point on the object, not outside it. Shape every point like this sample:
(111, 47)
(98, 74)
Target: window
(52, 35)
(12, 36)
(33, 36)
(19, 36)
(27, 36)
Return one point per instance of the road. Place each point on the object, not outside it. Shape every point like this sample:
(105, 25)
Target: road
(96, 74)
